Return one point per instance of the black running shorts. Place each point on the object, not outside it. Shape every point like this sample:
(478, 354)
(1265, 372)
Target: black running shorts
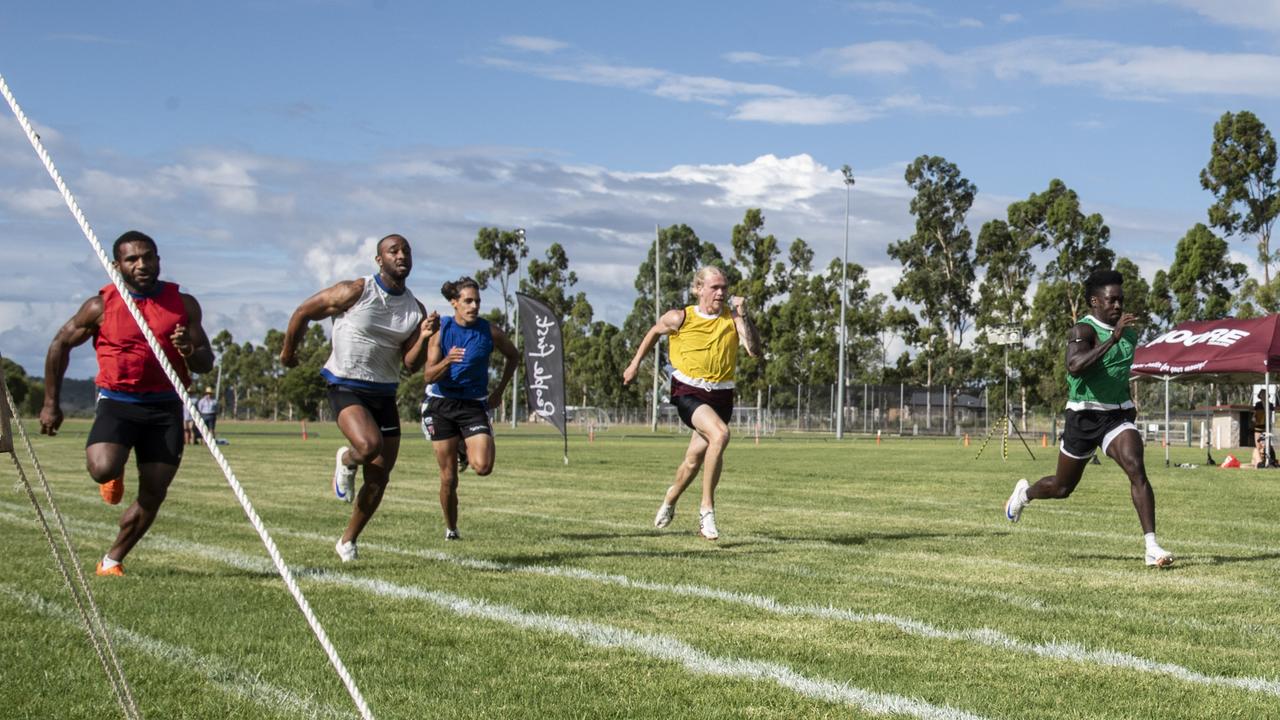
(444, 418)
(381, 407)
(688, 399)
(153, 430)
(1087, 430)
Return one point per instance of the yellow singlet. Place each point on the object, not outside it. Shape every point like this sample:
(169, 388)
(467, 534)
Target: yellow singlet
(705, 348)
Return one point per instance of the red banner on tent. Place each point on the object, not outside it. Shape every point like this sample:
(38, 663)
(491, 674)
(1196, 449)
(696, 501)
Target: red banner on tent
(1213, 347)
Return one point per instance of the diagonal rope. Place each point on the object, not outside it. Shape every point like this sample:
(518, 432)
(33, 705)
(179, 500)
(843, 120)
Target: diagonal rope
(91, 617)
(285, 574)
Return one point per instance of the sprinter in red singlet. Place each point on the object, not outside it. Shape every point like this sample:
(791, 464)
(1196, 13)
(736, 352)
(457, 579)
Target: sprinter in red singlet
(138, 409)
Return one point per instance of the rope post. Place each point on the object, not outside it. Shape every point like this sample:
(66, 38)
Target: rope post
(6, 436)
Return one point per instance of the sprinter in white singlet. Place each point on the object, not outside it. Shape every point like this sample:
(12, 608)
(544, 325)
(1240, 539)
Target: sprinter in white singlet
(378, 326)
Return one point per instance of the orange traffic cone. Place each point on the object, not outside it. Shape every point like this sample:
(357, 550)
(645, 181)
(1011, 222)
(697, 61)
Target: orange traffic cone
(966, 439)
(1044, 440)
(304, 429)
(877, 437)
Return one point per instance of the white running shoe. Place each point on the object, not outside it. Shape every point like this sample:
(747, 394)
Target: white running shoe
(666, 514)
(707, 525)
(452, 535)
(344, 477)
(346, 550)
(1017, 501)
(1159, 557)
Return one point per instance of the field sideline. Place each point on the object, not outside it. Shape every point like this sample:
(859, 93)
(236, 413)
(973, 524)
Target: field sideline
(851, 580)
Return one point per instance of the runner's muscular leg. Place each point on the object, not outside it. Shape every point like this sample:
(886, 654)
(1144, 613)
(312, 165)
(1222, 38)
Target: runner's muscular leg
(687, 468)
(364, 437)
(1126, 449)
(1062, 483)
(716, 434)
(480, 453)
(153, 486)
(105, 461)
(446, 452)
(377, 473)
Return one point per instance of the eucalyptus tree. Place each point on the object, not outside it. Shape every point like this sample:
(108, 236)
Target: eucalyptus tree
(1241, 174)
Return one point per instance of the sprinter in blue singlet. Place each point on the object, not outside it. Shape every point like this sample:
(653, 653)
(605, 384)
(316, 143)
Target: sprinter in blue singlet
(455, 412)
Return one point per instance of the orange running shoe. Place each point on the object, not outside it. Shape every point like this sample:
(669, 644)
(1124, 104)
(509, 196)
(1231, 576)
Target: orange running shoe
(114, 570)
(112, 490)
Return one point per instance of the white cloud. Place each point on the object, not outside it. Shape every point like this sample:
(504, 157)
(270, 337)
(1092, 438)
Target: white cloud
(969, 23)
(46, 203)
(755, 58)
(889, 7)
(340, 256)
(712, 90)
(533, 43)
(1133, 72)
(883, 57)
(1009, 18)
(828, 110)
(1247, 14)
(1142, 71)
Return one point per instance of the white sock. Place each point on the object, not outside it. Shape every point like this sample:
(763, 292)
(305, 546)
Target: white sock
(108, 563)
(1151, 541)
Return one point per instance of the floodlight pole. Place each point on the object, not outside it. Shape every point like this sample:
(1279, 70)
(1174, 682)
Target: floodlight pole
(657, 316)
(847, 172)
(515, 385)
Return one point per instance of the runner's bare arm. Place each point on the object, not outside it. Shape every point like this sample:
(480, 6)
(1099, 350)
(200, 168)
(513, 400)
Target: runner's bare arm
(324, 304)
(190, 339)
(748, 336)
(1083, 348)
(669, 322)
(73, 333)
(438, 362)
(512, 355)
(414, 350)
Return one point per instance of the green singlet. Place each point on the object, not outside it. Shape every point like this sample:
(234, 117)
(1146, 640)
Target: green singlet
(1104, 385)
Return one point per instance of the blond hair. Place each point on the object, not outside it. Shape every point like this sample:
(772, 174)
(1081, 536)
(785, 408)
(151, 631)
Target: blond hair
(700, 277)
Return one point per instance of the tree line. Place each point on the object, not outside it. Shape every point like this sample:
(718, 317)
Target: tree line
(943, 317)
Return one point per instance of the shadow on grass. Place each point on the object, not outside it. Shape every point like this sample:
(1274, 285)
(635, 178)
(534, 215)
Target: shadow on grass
(1230, 559)
(866, 538)
(555, 558)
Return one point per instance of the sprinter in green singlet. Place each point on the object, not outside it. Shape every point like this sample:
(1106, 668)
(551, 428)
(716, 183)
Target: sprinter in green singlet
(1100, 412)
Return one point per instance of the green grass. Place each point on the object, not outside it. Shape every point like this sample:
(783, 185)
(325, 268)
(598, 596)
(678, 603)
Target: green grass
(885, 569)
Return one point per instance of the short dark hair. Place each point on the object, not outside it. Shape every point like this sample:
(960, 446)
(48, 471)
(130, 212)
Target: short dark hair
(453, 290)
(1099, 279)
(392, 236)
(131, 237)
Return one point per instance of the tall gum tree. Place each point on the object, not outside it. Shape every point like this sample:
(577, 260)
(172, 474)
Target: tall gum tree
(1241, 174)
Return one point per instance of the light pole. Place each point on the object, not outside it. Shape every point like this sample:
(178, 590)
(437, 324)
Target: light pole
(515, 385)
(847, 172)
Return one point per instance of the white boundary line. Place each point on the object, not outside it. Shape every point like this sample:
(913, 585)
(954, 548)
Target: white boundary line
(226, 676)
(660, 647)
(987, 637)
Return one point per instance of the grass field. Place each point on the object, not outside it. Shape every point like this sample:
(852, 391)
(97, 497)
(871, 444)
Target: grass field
(851, 580)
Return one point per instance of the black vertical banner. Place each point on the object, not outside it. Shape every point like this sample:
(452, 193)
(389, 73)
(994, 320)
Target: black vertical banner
(543, 363)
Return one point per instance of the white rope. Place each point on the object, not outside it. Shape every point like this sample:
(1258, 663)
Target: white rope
(281, 567)
(92, 617)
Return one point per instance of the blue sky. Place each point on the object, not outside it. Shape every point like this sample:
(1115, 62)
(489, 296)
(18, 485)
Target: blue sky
(266, 144)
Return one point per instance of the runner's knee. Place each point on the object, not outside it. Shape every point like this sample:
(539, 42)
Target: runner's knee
(718, 437)
(103, 471)
(364, 450)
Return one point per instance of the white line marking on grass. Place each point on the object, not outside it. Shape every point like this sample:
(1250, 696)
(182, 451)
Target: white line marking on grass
(603, 636)
(662, 648)
(223, 675)
(982, 636)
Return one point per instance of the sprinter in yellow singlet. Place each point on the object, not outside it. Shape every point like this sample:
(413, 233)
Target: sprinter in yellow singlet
(704, 351)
